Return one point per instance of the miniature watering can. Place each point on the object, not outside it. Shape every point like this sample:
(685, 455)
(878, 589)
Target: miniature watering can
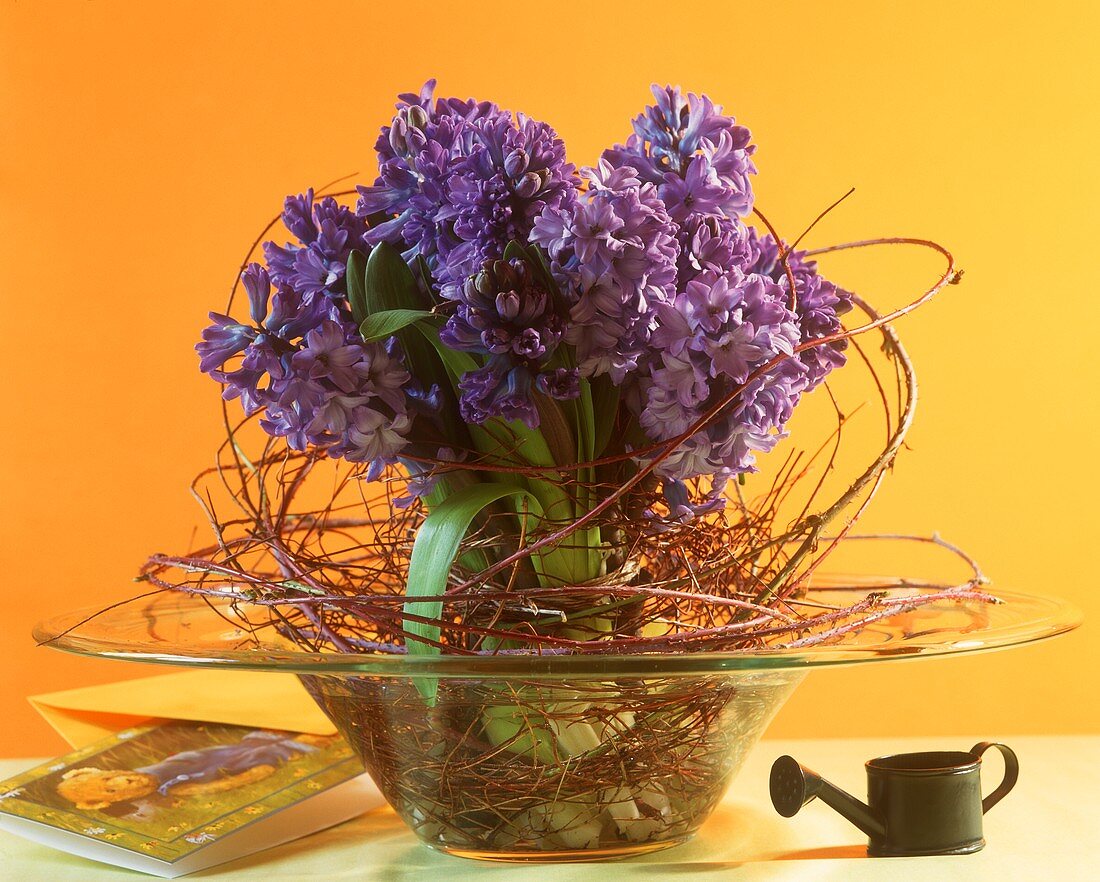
(919, 803)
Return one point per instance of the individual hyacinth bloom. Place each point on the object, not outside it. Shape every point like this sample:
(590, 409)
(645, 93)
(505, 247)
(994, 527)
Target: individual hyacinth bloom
(373, 436)
(683, 507)
(562, 384)
(498, 389)
(257, 285)
(699, 158)
(424, 477)
(714, 243)
(326, 355)
(222, 340)
(459, 180)
(696, 191)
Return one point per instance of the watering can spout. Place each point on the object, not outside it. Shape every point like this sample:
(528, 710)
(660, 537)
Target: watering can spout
(793, 785)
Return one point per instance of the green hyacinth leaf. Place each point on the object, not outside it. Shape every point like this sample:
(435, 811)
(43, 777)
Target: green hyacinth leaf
(516, 251)
(555, 429)
(605, 404)
(433, 555)
(456, 363)
(389, 282)
(357, 291)
(380, 325)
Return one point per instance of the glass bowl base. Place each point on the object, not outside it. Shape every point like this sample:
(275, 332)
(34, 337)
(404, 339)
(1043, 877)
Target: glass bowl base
(565, 856)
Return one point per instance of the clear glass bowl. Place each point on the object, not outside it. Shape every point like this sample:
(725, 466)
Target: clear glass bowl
(524, 758)
(561, 769)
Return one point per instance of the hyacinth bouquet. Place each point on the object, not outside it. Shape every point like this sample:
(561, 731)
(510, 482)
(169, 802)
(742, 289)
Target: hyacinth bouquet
(509, 412)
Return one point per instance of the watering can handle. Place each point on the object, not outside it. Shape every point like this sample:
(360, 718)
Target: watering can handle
(1012, 772)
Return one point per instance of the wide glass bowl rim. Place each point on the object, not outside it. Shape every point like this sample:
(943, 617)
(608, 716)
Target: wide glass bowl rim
(168, 628)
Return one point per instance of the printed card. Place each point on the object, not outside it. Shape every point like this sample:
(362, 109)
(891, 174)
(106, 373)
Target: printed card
(167, 792)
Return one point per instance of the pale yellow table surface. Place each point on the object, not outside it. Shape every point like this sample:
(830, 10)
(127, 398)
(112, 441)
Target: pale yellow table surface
(1047, 828)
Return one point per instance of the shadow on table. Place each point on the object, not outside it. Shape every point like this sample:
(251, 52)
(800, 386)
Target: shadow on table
(738, 834)
(832, 852)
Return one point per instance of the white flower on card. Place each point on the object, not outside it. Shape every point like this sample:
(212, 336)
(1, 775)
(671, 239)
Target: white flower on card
(56, 767)
(11, 794)
(125, 736)
(94, 831)
(199, 838)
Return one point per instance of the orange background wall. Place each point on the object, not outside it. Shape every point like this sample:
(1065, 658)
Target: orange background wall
(144, 145)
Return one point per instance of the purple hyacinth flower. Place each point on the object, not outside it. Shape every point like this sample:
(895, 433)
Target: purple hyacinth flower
(221, 341)
(326, 355)
(697, 191)
(257, 284)
(562, 384)
(711, 338)
(459, 180)
(497, 390)
(700, 158)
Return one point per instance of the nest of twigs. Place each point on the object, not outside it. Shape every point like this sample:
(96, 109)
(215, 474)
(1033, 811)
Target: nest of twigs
(328, 560)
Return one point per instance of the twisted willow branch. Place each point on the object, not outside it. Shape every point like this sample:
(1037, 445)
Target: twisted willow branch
(715, 583)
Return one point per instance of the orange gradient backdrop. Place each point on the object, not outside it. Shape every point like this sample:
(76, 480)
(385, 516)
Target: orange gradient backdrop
(145, 144)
